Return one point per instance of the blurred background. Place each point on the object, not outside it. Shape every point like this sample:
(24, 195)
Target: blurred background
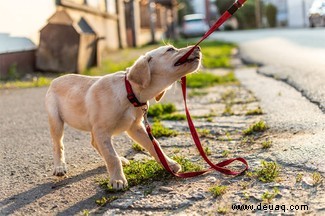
(73, 35)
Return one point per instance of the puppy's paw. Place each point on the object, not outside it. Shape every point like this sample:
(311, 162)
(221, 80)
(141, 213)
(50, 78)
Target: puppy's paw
(118, 184)
(124, 161)
(60, 170)
(174, 166)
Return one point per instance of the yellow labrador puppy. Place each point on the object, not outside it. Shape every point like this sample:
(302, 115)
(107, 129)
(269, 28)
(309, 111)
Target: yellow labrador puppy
(100, 105)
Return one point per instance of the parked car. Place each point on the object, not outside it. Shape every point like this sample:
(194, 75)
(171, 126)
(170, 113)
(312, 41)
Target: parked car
(317, 14)
(194, 25)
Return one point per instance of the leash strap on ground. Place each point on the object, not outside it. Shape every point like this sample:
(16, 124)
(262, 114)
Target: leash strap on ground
(226, 15)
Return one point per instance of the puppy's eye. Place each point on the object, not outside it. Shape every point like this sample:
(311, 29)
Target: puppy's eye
(171, 49)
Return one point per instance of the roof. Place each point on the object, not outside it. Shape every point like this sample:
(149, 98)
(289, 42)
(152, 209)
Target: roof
(9, 44)
(80, 25)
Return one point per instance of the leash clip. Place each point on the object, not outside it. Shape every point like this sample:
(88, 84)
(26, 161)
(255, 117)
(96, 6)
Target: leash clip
(144, 109)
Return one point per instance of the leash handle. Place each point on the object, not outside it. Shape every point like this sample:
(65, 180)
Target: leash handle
(226, 15)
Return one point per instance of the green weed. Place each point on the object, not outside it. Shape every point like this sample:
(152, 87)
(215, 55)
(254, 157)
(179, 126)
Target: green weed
(207, 151)
(225, 153)
(299, 177)
(104, 200)
(158, 130)
(205, 79)
(215, 53)
(266, 144)
(268, 172)
(222, 210)
(186, 164)
(146, 172)
(228, 110)
(137, 147)
(317, 178)
(36, 82)
(157, 110)
(218, 190)
(267, 196)
(109, 66)
(85, 212)
(257, 111)
(260, 126)
(203, 132)
(197, 93)
(247, 140)
(173, 117)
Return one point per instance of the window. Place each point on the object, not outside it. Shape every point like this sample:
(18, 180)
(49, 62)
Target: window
(111, 6)
(93, 3)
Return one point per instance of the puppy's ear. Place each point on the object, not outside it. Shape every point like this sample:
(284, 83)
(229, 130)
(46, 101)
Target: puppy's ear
(160, 95)
(140, 72)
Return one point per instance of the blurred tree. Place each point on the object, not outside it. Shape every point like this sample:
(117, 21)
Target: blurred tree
(246, 15)
(271, 12)
(184, 8)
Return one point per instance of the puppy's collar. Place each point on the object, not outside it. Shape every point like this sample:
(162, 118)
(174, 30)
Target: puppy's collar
(130, 94)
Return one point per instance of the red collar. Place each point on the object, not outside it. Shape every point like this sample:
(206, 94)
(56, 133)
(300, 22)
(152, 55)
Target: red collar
(131, 96)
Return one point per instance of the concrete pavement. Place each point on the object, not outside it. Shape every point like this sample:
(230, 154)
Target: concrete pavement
(298, 125)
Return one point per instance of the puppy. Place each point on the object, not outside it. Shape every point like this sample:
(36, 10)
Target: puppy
(100, 105)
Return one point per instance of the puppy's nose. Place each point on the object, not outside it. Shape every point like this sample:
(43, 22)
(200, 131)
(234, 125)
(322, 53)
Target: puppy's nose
(198, 48)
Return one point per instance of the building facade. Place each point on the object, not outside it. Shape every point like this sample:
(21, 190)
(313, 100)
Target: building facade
(115, 24)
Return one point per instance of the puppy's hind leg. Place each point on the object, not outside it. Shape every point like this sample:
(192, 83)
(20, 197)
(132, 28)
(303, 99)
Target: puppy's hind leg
(56, 130)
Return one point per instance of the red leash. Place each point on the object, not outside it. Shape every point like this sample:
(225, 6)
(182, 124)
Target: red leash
(226, 15)
(220, 167)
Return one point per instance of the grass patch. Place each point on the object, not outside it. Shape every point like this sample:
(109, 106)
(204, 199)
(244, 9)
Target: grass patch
(173, 117)
(197, 93)
(225, 153)
(299, 177)
(228, 110)
(207, 151)
(317, 178)
(36, 82)
(104, 200)
(109, 66)
(218, 190)
(165, 112)
(260, 126)
(268, 172)
(257, 111)
(138, 148)
(222, 210)
(203, 132)
(118, 60)
(157, 110)
(215, 53)
(158, 130)
(266, 144)
(206, 79)
(267, 196)
(146, 172)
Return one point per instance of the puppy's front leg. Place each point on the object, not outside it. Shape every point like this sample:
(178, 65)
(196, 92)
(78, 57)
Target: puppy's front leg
(113, 161)
(139, 134)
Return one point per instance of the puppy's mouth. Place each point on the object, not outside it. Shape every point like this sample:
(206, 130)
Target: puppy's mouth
(188, 60)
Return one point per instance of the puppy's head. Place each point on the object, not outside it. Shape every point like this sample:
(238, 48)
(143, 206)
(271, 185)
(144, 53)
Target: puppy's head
(156, 70)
